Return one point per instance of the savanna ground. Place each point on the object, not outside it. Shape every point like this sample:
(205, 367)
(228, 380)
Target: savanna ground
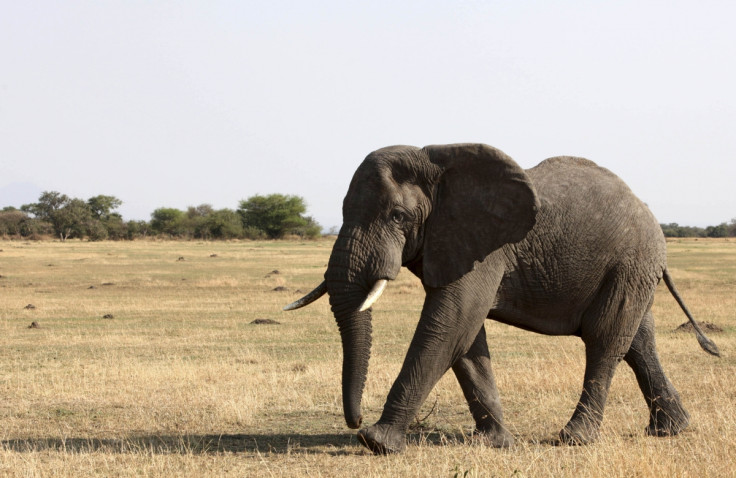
(177, 381)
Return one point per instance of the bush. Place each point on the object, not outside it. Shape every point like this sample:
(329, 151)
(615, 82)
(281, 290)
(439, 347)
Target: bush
(278, 215)
(254, 233)
(167, 220)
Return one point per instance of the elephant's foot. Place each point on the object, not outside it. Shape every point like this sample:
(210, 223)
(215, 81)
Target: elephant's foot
(667, 417)
(383, 439)
(496, 438)
(579, 432)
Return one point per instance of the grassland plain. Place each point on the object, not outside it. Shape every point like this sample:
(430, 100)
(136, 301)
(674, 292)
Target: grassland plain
(177, 381)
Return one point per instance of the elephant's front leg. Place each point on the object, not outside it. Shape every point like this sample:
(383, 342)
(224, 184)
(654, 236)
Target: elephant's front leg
(450, 322)
(474, 373)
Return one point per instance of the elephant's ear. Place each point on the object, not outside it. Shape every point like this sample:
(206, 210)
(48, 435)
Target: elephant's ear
(482, 200)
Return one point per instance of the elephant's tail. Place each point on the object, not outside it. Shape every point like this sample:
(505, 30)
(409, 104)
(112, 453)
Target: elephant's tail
(707, 344)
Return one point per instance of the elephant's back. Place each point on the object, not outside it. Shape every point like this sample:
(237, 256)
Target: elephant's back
(562, 177)
(591, 215)
(586, 193)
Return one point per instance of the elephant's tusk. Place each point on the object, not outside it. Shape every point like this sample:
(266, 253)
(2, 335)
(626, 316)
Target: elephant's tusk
(318, 292)
(373, 295)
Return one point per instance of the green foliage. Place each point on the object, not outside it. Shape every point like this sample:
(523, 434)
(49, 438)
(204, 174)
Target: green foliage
(101, 206)
(675, 230)
(14, 222)
(73, 220)
(224, 224)
(66, 215)
(115, 226)
(720, 230)
(259, 217)
(167, 220)
(137, 229)
(278, 215)
(72, 217)
(253, 233)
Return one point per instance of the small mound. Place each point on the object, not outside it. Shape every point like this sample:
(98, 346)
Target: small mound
(30, 307)
(265, 321)
(704, 326)
(34, 325)
(280, 289)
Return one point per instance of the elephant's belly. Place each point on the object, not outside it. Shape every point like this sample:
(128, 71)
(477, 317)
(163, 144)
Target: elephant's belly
(547, 317)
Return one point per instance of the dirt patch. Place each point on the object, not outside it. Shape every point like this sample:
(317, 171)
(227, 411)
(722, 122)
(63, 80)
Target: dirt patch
(281, 289)
(30, 307)
(704, 326)
(265, 321)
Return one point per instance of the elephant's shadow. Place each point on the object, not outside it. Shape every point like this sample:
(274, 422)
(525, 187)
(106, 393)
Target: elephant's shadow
(331, 444)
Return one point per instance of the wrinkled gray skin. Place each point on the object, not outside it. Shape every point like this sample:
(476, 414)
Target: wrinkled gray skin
(564, 248)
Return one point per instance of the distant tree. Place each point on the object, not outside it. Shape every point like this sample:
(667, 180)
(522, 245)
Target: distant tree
(253, 233)
(675, 230)
(68, 217)
(102, 206)
(105, 223)
(167, 220)
(276, 215)
(224, 224)
(96, 230)
(137, 229)
(732, 228)
(48, 203)
(74, 220)
(116, 227)
(12, 222)
(195, 223)
(720, 230)
(309, 230)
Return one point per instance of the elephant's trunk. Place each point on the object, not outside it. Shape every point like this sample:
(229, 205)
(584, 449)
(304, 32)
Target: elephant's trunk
(355, 330)
(347, 293)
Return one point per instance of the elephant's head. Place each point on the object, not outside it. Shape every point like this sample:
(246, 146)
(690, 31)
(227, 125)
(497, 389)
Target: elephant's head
(437, 210)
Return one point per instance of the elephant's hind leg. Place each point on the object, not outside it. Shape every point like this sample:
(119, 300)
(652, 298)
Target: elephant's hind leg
(474, 373)
(667, 416)
(608, 329)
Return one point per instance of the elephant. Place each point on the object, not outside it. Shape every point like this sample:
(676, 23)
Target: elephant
(563, 248)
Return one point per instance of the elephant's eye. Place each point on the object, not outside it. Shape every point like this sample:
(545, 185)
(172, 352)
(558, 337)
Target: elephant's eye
(398, 217)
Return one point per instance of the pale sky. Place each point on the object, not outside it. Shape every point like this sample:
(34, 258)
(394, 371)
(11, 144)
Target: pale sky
(175, 104)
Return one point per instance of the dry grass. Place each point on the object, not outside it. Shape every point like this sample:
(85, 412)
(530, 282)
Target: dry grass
(180, 383)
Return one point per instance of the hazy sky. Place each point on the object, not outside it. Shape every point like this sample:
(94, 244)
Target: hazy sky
(177, 104)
